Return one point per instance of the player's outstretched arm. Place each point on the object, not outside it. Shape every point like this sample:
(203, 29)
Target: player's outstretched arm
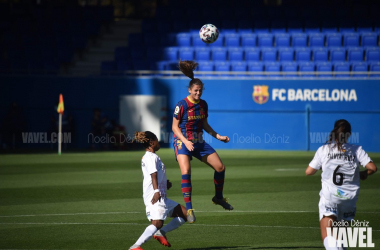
(310, 170)
(156, 196)
(212, 132)
(370, 170)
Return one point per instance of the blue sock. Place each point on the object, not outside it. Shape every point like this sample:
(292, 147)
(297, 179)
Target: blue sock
(219, 182)
(186, 190)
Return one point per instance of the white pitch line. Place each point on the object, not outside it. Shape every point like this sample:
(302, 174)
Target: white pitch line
(144, 224)
(289, 169)
(218, 211)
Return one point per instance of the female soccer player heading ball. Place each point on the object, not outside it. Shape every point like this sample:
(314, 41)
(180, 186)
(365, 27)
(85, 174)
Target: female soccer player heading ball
(339, 162)
(155, 184)
(189, 121)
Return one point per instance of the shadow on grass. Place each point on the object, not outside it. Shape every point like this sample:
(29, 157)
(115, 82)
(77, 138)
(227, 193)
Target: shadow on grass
(242, 247)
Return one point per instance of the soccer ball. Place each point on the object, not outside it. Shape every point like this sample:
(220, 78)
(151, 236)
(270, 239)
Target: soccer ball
(209, 33)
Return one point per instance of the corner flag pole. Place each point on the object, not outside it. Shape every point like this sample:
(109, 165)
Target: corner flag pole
(60, 110)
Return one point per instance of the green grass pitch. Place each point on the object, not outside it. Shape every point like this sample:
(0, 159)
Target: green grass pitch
(93, 201)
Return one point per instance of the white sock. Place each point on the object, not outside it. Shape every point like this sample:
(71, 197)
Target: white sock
(330, 243)
(147, 234)
(173, 224)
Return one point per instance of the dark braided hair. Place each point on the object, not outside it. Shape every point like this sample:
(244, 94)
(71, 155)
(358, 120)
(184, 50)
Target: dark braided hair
(340, 133)
(187, 68)
(145, 138)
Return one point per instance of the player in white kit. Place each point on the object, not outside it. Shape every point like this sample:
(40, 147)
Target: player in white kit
(339, 162)
(155, 185)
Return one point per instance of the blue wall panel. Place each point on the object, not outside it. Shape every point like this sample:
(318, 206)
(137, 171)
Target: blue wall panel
(279, 123)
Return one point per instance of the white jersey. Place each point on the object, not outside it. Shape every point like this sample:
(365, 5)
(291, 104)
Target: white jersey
(150, 164)
(340, 171)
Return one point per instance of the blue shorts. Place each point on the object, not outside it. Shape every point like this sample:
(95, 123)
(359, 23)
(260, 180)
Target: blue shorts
(200, 149)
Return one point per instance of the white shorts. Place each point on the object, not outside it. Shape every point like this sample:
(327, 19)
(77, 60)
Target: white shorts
(161, 209)
(343, 211)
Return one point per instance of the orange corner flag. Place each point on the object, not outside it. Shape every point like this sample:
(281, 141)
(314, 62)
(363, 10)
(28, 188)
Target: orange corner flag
(60, 108)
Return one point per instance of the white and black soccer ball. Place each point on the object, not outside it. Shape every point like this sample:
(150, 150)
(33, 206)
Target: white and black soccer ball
(209, 33)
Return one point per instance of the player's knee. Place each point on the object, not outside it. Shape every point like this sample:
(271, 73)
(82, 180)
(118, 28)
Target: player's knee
(158, 224)
(221, 168)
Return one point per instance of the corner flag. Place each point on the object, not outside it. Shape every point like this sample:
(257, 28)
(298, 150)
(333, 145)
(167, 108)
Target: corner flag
(61, 107)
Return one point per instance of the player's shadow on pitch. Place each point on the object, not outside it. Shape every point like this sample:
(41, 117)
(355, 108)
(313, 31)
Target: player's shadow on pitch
(242, 247)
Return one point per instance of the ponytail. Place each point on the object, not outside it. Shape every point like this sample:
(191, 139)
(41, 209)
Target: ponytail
(187, 68)
(340, 133)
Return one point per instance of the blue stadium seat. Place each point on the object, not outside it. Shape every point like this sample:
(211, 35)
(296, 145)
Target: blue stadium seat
(299, 40)
(320, 55)
(153, 54)
(272, 67)
(295, 26)
(346, 26)
(355, 54)
(261, 26)
(324, 67)
(183, 40)
(219, 54)
(140, 65)
(150, 39)
(197, 42)
(170, 54)
(303, 55)
(316, 40)
(257, 68)
(245, 26)
(269, 54)
(239, 67)
(289, 67)
(278, 26)
(372, 54)
(286, 55)
(351, 40)
(252, 54)
(369, 39)
(312, 26)
(205, 66)
(202, 54)
(329, 26)
(138, 53)
(337, 54)
(219, 42)
(359, 67)
(235, 54)
(334, 40)
(375, 67)
(186, 53)
(341, 67)
(306, 67)
(265, 40)
(364, 25)
(233, 40)
(249, 40)
(135, 40)
(282, 40)
(223, 66)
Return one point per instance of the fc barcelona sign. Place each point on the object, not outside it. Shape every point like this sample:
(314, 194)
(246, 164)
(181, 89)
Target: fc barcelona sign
(260, 94)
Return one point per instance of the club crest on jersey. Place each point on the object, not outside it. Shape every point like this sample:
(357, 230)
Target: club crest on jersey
(179, 144)
(176, 111)
(260, 94)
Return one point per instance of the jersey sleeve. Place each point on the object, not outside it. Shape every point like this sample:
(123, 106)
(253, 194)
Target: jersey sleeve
(363, 157)
(151, 164)
(316, 163)
(178, 111)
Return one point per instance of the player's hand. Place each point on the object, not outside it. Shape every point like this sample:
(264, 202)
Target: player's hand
(189, 145)
(363, 175)
(168, 184)
(223, 138)
(156, 197)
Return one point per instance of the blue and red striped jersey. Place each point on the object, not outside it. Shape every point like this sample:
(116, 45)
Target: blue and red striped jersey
(191, 115)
